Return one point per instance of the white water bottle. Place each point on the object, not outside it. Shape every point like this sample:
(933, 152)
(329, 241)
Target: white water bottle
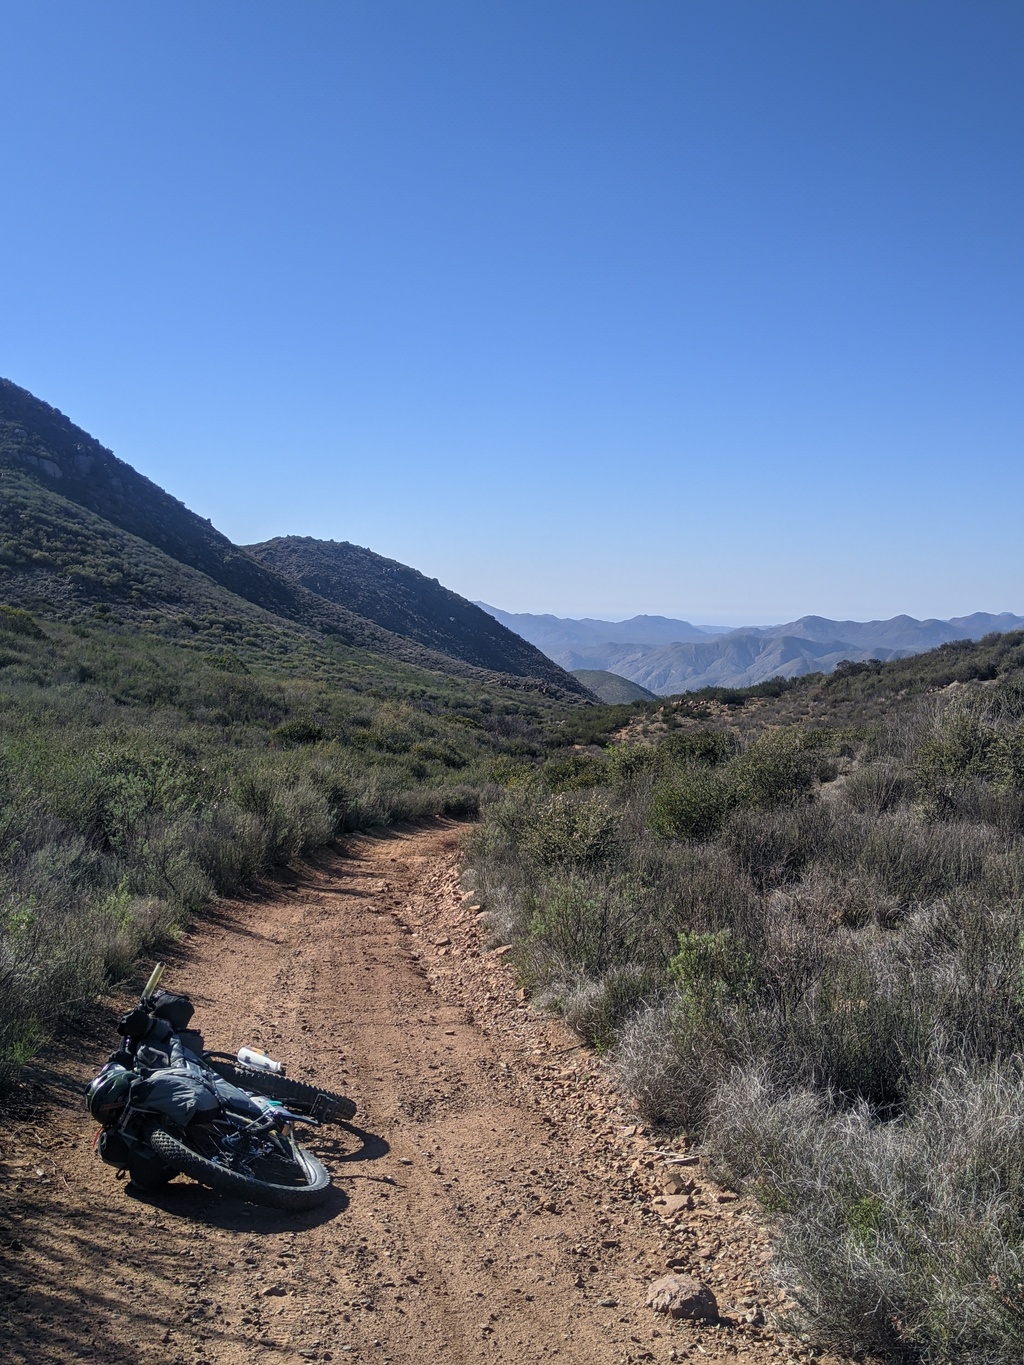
(256, 1060)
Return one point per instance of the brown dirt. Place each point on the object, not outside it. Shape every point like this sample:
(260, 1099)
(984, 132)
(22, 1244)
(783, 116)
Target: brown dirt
(494, 1203)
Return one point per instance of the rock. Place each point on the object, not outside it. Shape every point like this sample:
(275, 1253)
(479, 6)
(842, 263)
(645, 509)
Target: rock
(681, 1296)
(673, 1183)
(672, 1205)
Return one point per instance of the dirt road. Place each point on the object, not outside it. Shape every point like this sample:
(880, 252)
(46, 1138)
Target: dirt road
(494, 1204)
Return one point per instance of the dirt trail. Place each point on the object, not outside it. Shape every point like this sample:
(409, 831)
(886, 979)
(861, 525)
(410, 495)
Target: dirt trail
(492, 1205)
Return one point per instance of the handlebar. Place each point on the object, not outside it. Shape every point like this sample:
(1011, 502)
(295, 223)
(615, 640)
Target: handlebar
(153, 982)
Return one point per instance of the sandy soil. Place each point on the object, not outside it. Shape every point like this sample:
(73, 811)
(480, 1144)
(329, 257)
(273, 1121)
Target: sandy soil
(494, 1202)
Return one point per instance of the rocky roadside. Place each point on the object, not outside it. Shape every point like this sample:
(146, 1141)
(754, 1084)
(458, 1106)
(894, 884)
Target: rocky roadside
(639, 1179)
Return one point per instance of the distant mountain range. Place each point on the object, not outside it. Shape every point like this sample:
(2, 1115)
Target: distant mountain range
(85, 537)
(668, 656)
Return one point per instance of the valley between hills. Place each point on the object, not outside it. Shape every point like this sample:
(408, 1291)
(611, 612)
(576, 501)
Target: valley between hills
(776, 927)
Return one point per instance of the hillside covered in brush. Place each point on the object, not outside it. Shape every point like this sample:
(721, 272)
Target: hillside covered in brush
(82, 533)
(402, 601)
(611, 688)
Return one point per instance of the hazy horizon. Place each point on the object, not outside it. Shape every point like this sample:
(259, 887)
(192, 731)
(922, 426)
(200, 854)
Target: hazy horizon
(735, 620)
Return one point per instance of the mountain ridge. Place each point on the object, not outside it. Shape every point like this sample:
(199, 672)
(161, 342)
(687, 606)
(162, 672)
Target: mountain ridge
(399, 599)
(83, 530)
(745, 656)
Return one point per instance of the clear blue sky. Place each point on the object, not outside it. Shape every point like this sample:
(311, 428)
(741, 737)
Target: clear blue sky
(708, 308)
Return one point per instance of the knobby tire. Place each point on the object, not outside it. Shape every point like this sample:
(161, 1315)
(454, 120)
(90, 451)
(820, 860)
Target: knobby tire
(173, 1150)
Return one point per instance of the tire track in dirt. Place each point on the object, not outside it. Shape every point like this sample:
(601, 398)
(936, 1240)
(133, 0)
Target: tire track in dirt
(492, 1204)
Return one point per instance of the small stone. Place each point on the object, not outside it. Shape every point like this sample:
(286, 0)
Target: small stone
(672, 1205)
(405, 1161)
(673, 1183)
(682, 1296)
(608, 1303)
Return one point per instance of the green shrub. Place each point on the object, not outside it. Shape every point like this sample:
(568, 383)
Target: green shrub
(572, 830)
(705, 747)
(574, 772)
(297, 731)
(693, 804)
(596, 1010)
(20, 622)
(775, 768)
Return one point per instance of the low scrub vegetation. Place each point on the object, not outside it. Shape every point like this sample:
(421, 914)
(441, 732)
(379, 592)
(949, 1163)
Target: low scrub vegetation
(139, 779)
(804, 945)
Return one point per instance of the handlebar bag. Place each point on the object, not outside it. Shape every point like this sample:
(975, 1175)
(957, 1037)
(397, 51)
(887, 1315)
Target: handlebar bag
(134, 1024)
(157, 1049)
(177, 1010)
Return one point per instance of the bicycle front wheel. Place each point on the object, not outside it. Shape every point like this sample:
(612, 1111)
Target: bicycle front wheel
(292, 1181)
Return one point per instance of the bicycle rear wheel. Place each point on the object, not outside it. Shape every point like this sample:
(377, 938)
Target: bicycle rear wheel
(310, 1100)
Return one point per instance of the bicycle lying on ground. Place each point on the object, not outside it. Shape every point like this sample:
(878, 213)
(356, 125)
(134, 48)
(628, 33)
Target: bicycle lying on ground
(167, 1106)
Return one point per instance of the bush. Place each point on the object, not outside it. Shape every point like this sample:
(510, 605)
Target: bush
(897, 1239)
(20, 622)
(572, 831)
(597, 1009)
(878, 788)
(705, 747)
(775, 768)
(692, 805)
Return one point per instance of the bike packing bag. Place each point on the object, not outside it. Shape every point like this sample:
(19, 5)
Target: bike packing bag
(177, 1010)
(193, 1042)
(182, 1094)
(236, 1100)
(145, 1169)
(113, 1149)
(156, 1050)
